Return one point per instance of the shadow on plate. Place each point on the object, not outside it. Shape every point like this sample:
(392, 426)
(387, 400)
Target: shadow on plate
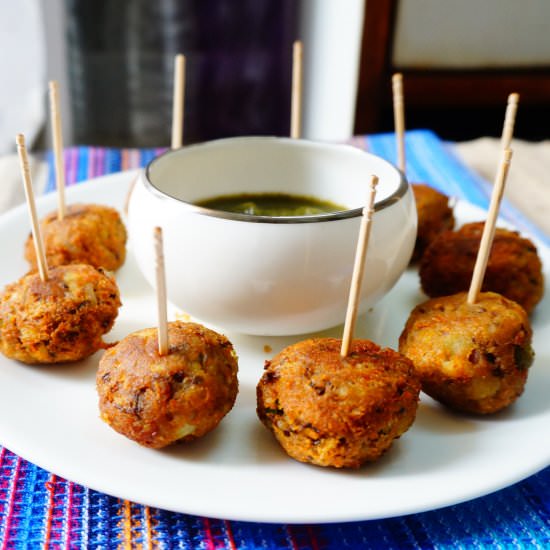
(129, 277)
(540, 317)
(254, 446)
(77, 371)
(436, 439)
(434, 418)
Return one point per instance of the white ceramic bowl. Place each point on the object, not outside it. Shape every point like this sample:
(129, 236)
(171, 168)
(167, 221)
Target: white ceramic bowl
(267, 275)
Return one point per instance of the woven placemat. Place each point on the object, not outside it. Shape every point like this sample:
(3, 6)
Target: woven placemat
(41, 510)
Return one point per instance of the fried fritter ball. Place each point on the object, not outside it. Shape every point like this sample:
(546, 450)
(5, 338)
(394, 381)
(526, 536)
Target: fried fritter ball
(158, 400)
(514, 268)
(60, 320)
(88, 234)
(334, 411)
(435, 215)
(473, 358)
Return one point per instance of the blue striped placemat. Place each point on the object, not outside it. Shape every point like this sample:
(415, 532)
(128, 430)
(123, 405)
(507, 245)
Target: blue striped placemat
(433, 161)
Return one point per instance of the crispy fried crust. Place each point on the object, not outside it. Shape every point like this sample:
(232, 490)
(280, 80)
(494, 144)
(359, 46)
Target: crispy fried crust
(62, 319)
(334, 411)
(434, 216)
(158, 400)
(514, 268)
(89, 234)
(473, 358)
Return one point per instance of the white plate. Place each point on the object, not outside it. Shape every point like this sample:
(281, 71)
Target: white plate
(49, 416)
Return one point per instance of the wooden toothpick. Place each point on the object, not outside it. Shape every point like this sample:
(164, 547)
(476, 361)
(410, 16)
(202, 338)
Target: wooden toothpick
(296, 103)
(399, 119)
(178, 101)
(509, 120)
(55, 118)
(489, 228)
(358, 268)
(161, 293)
(29, 194)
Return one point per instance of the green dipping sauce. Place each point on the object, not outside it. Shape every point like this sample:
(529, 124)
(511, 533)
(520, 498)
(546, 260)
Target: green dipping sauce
(271, 204)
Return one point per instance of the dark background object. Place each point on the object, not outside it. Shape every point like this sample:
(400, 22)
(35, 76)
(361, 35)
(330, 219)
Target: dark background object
(121, 58)
(456, 104)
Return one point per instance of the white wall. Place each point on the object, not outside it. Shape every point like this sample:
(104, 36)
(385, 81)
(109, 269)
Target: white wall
(22, 66)
(472, 33)
(331, 31)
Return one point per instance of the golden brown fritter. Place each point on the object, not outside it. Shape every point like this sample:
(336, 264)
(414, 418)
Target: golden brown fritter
(158, 400)
(435, 215)
(514, 268)
(334, 411)
(88, 234)
(60, 320)
(473, 358)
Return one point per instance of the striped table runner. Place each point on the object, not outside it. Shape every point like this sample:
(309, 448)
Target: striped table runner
(431, 161)
(41, 510)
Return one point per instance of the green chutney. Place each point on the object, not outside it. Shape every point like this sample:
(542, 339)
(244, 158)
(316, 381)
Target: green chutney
(271, 204)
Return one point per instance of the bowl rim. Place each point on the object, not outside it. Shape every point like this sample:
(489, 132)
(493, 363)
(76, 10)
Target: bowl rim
(388, 201)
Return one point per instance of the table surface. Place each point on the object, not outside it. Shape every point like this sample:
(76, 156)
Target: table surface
(38, 508)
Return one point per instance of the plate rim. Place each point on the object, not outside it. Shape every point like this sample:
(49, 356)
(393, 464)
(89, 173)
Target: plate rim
(222, 511)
